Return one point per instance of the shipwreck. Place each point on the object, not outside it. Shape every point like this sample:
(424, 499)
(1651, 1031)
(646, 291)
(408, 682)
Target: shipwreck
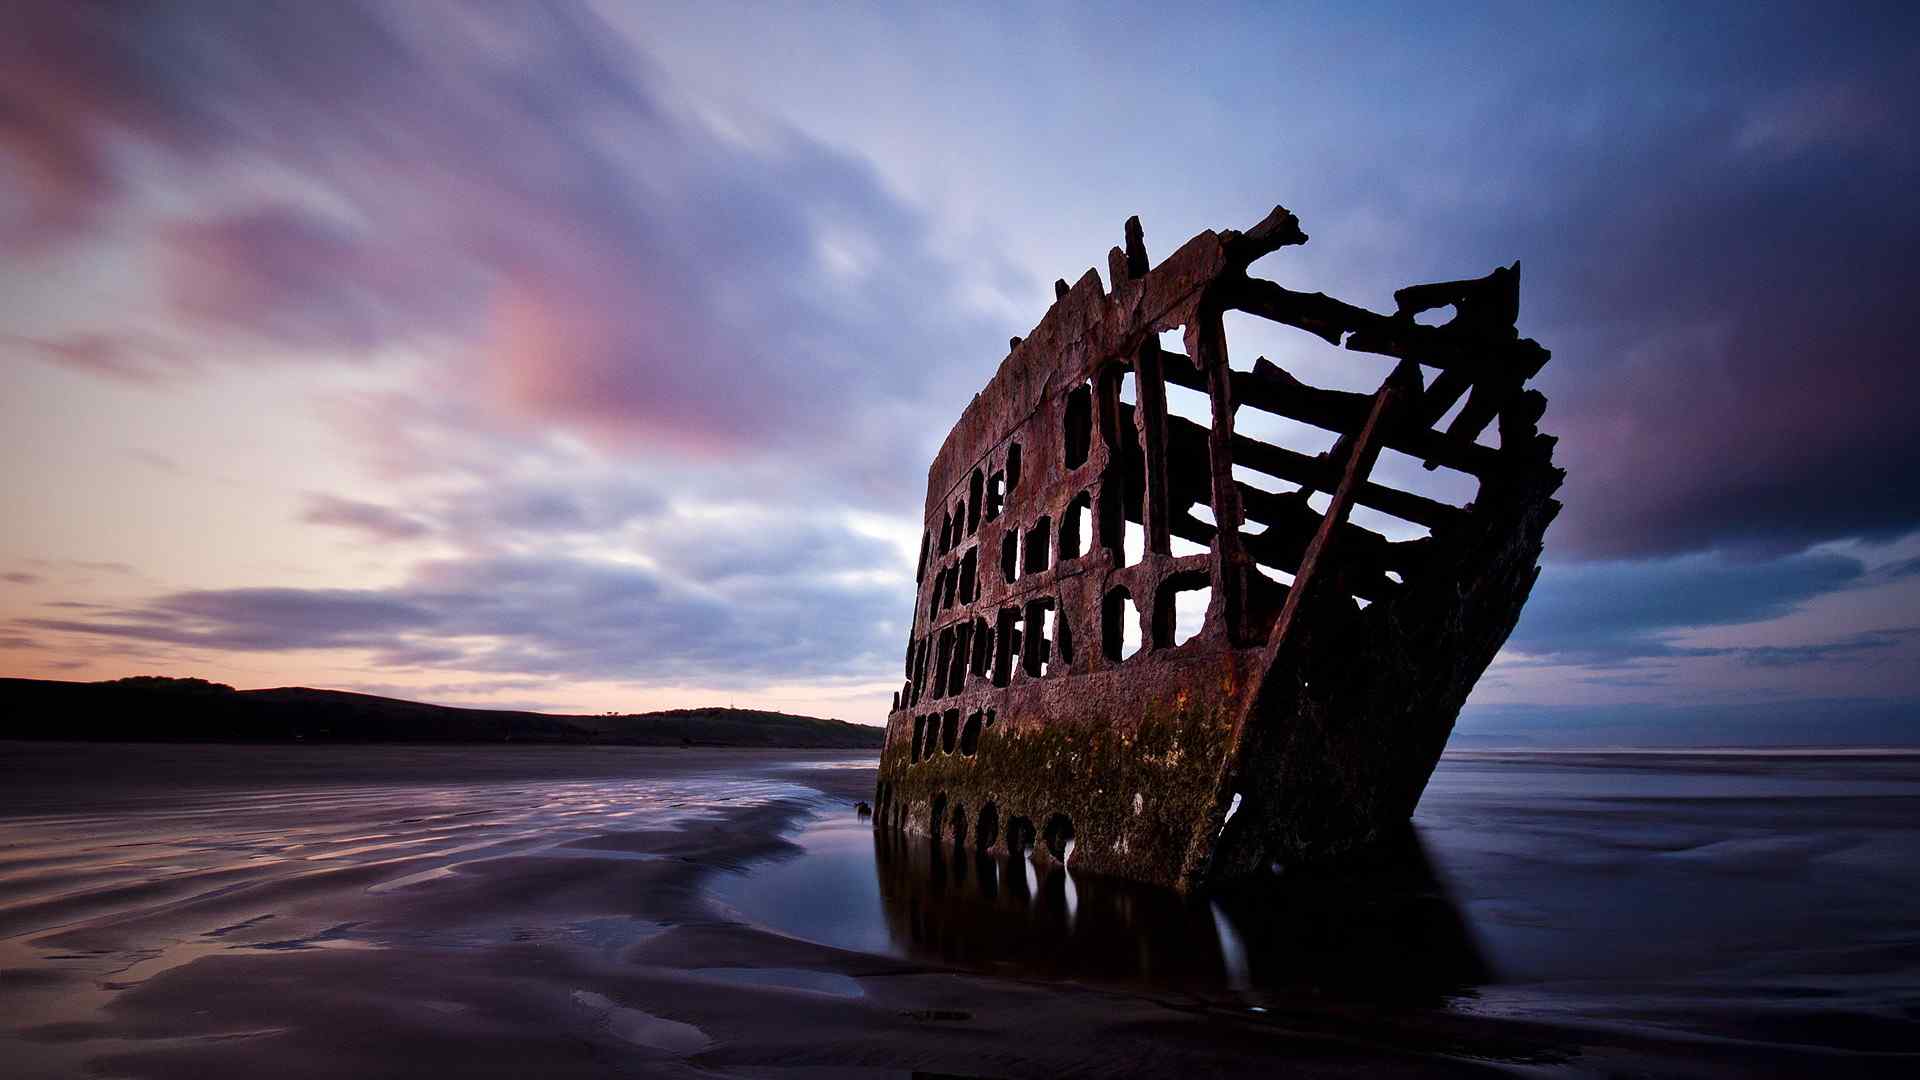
(1066, 697)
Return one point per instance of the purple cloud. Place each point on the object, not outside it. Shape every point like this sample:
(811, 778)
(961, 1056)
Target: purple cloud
(257, 619)
(67, 77)
(1825, 721)
(1850, 647)
(553, 616)
(377, 522)
(1618, 612)
(1727, 286)
(603, 301)
(113, 356)
(1733, 330)
(598, 258)
(288, 277)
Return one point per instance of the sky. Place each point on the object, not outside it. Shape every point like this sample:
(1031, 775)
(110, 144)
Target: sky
(591, 357)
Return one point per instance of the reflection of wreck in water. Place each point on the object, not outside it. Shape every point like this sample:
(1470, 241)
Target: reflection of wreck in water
(1380, 929)
(1304, 715)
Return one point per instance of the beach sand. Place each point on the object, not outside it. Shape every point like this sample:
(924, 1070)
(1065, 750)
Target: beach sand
(294, 912)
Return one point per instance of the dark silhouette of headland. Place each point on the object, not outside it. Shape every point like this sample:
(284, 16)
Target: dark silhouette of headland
(153, 708)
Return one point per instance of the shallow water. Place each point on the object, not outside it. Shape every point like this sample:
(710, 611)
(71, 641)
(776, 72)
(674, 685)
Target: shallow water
(1755, 900)
(1768, 897)
(121, 864)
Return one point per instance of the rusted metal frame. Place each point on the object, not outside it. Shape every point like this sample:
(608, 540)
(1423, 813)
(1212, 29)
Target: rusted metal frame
(1206, 340)
(1187, 443)
(1475, 356)
(1150, 419)
(995, 594)
(1490, 303)
(1366, 577)
(1366, 450)
(1047, 584)
(1110, 501)
(1340, 323)
(920, 671)
(981, 463)
(942, 659)
(1321, 474)
(1039, 581)
(1280, 228)
(1484, 403)
(1490, 370)
(1089, 324)
(1403, 383)
(1316, 313)
(937, 616)
(1366, 555)
(956, 675)
(1285, 511)
(1188, 527)
(912, 629)
(1271, 388)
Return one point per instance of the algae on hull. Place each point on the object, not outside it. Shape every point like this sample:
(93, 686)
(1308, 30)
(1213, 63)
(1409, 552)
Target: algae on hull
(1303, 716)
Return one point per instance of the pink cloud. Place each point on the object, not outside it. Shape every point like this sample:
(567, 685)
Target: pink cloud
(376, 521)
(127, 358)
(512, 193)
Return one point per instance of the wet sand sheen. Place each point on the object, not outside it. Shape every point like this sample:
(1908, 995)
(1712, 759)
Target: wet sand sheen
(499, 911)
(1759, 899)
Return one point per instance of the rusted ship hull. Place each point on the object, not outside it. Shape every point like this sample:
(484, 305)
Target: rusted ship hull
(1305, 715)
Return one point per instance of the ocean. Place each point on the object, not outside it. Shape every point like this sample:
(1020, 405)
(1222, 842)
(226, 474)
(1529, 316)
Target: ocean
(1756, 895)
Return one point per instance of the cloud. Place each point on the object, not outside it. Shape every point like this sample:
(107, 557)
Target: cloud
(1714, 215)
(377, 522)
(704, 594)
(512, 190)
(66, 79)
(590, 251)
(155, 461)
(1820, 115)
(629, 354)
(1614, 612)
(1800, 722)
(102, 566)
(126, 358)
(1902, 569)
(20, 578)
(1841, 649)
(290, 278)
(773, 547)
(1733, 335)
(576, 501)
(258, 619)
(553, 616)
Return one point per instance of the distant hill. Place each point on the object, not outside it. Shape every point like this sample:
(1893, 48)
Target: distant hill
(157, 709)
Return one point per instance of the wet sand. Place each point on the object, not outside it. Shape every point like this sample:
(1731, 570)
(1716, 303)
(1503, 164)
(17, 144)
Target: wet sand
(214, 911)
